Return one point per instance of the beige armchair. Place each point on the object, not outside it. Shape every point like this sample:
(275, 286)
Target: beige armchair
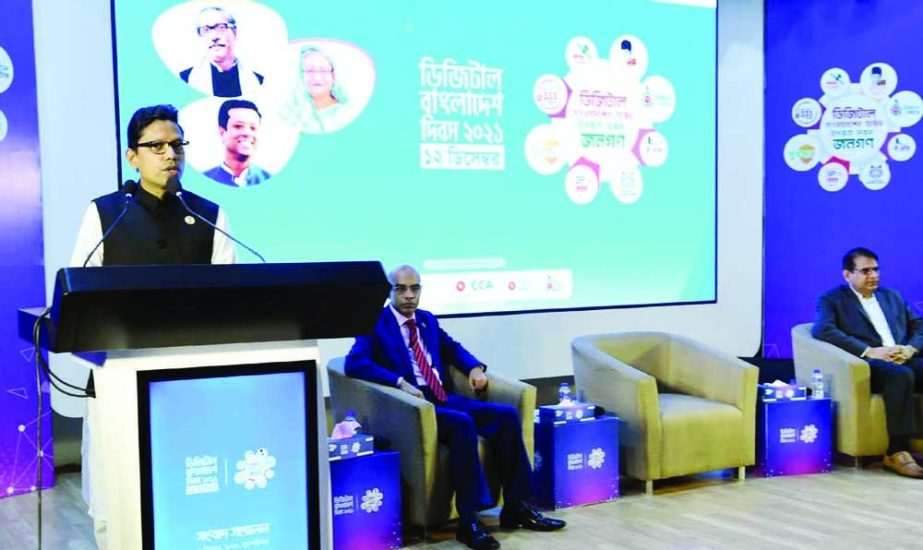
(686, 408)
(410, 424)
(861, 429)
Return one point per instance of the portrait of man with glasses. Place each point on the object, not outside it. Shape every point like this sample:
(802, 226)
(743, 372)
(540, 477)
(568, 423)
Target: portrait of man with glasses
(219, 72)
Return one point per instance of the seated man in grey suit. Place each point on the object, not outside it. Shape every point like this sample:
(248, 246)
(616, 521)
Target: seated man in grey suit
(877, 324)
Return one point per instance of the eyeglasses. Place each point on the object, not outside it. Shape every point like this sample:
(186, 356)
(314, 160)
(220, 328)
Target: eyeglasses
(401, 289)
(217, 27)
(160, 147)
(866, 270)
(316, 72)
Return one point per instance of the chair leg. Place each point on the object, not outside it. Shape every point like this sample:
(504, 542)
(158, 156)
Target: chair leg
(649, 487)
(741, 473)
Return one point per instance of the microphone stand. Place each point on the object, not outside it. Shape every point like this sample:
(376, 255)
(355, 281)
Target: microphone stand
(130, 188)
(176, 189)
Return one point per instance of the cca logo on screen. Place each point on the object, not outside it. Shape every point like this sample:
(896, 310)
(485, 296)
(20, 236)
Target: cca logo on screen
(474, 285)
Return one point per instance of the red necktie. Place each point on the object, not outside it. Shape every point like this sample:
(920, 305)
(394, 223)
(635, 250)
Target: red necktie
(425, 369)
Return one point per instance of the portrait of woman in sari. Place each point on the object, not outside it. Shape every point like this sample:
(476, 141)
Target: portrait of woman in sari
(318, 104)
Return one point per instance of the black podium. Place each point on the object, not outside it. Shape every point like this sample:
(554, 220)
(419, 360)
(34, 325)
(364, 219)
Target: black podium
(166, 330)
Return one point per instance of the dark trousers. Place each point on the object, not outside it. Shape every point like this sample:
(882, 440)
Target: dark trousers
(459, 422)
(897, 384)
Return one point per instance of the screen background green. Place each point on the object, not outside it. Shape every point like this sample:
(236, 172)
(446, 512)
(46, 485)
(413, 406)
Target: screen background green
(359, 193)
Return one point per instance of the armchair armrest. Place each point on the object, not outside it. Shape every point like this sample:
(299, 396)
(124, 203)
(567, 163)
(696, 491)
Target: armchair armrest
(847, 378)
(409, 422)
(507, 390)
(703, 371)
(630, 394)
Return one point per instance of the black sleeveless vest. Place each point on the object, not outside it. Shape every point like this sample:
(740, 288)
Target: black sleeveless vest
(157, 231)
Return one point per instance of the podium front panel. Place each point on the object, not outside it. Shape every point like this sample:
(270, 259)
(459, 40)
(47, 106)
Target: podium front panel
(228, 457)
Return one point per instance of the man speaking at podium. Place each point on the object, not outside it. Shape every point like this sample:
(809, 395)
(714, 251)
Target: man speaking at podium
(409, 350)
(155, 229)
(144, 224)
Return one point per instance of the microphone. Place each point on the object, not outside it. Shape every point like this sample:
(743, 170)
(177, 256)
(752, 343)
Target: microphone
(129, 188)
(175, 188)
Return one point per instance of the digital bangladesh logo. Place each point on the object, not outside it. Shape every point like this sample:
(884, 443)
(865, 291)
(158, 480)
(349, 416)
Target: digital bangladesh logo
(256, 469)
(854, 129)
(600, 119)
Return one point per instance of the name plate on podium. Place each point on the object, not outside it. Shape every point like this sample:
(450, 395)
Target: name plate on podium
(350, 447)
(573, 411)
(784, 392)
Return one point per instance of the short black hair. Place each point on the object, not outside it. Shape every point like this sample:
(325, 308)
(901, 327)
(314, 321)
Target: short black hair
(849, 259)
(234, 104)
(145, 116)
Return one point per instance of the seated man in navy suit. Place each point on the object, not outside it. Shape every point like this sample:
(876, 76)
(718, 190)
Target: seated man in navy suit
(409, 350)
(877, 324)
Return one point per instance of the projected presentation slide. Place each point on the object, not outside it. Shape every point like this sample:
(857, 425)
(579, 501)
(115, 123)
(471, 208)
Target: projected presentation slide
(522, 157)
(228, 467)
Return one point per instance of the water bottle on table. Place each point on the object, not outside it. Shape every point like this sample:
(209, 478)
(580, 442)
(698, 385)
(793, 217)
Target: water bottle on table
(817, 384)
(564, 394)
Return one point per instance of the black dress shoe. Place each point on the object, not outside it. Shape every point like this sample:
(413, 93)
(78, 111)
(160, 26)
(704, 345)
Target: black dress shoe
(527, 517)
(475, 535)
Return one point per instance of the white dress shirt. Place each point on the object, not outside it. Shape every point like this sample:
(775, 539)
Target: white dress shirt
(877, 317)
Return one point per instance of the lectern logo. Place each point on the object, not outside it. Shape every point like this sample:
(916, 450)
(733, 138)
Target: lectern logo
(597, 458)
(372, 500)
(809, 433)
(255, 470)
